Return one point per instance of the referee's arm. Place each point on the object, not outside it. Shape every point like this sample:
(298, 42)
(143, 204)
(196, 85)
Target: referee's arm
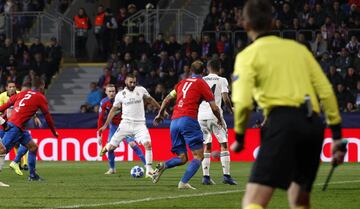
(242, 88)
(326, 95)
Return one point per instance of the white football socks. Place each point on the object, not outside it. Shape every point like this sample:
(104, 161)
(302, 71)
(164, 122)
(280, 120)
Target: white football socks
(206, 164)
(149, 160)
(2, 161)
(225, 162)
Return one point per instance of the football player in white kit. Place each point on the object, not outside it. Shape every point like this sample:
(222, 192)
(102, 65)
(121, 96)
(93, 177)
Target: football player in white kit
(209, 126)
(131, 102)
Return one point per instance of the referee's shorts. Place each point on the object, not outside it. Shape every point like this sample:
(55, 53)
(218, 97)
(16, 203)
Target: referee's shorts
(290, 149)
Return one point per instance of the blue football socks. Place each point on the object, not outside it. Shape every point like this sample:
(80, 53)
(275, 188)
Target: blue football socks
(175, 161)
(191, 170)
(139, 153)
(20, 153)
(111, 158)
(32, 163)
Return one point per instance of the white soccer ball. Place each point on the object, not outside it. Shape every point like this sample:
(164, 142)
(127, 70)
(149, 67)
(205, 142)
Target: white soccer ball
(137, 171)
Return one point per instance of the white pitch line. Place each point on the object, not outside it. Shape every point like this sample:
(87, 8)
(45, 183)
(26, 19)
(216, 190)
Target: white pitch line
(124, 202)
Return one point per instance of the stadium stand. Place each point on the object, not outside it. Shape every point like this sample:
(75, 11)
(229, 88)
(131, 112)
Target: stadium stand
(329, 29)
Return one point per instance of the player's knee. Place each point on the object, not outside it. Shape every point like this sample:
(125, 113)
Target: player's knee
(208, 147)
(2, 149)
(224, 146)
(183, 158)
(33, 148)
(147, 145)
(132, 144)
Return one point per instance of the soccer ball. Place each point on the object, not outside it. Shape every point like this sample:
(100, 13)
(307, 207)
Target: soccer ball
(137, 172)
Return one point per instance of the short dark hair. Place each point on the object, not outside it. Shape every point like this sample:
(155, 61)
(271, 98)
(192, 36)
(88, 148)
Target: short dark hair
(37, 82)
(197, 67)
(110, 85)
(258, 14)
(10, 81)
(214, 65)
(130, 75)
(26, 85)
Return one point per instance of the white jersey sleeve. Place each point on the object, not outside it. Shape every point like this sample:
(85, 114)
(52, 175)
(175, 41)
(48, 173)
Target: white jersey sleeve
(224, 85)
(118, 99)
(144, 91)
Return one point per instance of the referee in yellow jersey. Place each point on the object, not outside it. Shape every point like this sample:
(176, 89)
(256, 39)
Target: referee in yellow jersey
(286, 82)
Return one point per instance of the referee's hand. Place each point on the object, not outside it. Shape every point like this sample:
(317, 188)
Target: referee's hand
(238, 145)
(338, 152)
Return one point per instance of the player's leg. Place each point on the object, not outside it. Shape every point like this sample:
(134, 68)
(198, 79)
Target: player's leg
(275, 162)
(178, 147)
(111, 154)
(9, 140)
(142, 136)
(24, 161)
(136, 148)
(194, 138)
(192, 168)
(121, 132)
(222, 137)
(310, 137)
(257, 196)
(15, 163)
(207, 152)
(2, 156)
(298, 198)
(27, 141)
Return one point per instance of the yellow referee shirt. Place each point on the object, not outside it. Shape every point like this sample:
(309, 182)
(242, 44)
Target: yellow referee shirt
(4, 97)
(279, 72)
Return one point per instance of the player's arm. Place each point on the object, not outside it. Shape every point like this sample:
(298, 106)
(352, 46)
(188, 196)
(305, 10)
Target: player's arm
(45, 110)
(149, 99)
(37, 120)
(227, 101)
(109, 118)
(243, 85)
(101, 116)
(216, 111)
(165, 104)
(329, 103)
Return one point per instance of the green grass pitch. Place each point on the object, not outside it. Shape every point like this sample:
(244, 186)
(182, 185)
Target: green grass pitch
(83, 185)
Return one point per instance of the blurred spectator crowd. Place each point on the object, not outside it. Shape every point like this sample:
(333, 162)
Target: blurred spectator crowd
(330, 29)
(20, 62)
(161, 64)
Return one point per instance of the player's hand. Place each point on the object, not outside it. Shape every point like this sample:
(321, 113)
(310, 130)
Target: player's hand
(56, 134)
(221, 123)
(238, 145)
(157, 120)
(338, 152)
(166, 114)
(99, 138)
(37, 122)
(101, 130)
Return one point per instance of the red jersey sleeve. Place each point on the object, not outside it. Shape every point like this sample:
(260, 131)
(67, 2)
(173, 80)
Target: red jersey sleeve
(206, 92)
(45, 110)
(101, 115)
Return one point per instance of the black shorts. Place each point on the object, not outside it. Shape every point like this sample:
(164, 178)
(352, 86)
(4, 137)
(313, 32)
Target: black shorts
(290, 149)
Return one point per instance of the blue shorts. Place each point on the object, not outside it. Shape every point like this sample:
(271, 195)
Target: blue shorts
(15, 135)
(185, 131)
(112, 130)
(2, 133)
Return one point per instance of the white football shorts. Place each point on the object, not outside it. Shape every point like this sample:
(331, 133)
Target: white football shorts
(137, 130)
(209, 127)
